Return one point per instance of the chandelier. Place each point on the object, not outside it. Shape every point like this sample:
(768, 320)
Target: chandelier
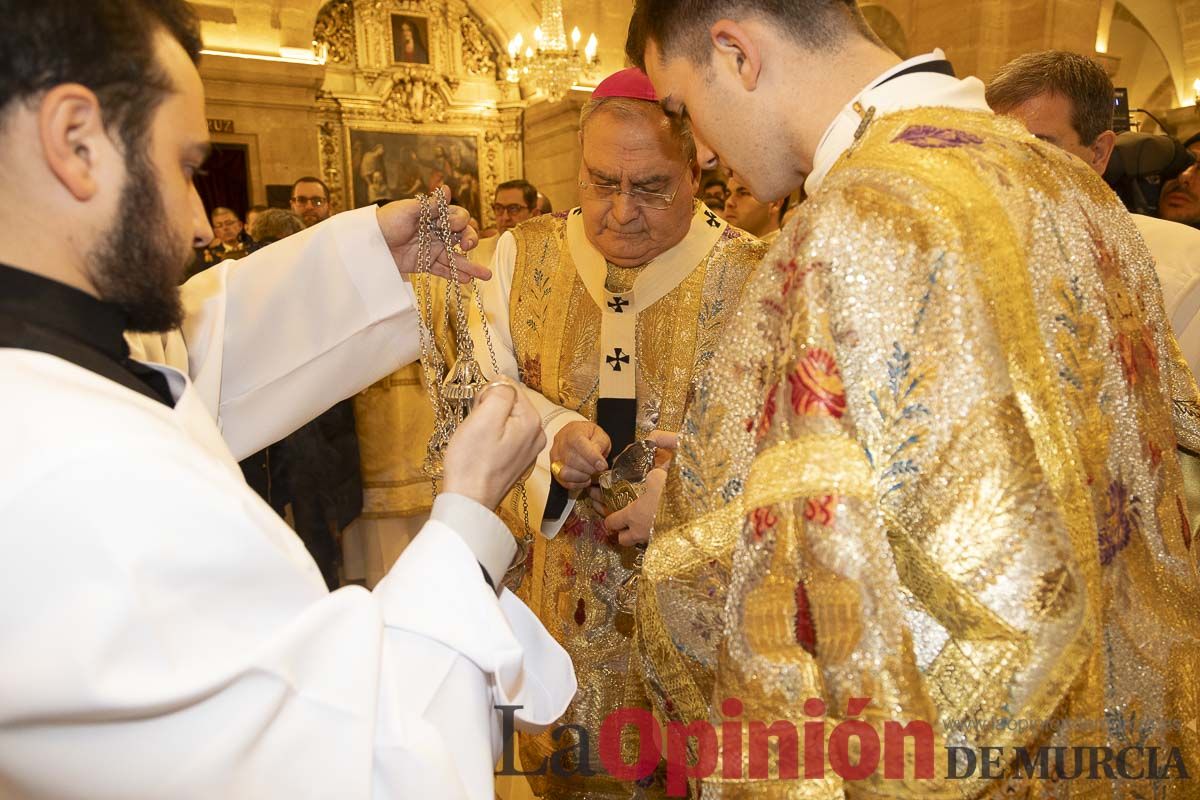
(550, 66)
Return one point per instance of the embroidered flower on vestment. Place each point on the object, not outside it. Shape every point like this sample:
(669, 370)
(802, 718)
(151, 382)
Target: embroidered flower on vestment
(760, 426)
(821, 510)
(929, 136)
(1122, 519)
(816, 384)
(762, 521)
(531, 372)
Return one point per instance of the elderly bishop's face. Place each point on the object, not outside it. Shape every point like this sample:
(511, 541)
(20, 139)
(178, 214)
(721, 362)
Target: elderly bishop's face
(633, 163)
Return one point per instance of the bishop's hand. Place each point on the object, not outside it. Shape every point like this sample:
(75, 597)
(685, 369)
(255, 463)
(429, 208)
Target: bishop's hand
(579, 453)
(399, 223)
(494, 446)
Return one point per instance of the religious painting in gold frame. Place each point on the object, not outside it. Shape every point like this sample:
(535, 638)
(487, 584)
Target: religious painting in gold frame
(396, 164)
(410, 39)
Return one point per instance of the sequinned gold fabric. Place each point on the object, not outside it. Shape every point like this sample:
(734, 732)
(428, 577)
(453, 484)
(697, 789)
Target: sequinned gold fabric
(576, 580)
(934, 464)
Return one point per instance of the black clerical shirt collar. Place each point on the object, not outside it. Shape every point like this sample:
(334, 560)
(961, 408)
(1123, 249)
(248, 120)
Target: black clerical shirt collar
(938, 66)
(63, 309)
(47, 316)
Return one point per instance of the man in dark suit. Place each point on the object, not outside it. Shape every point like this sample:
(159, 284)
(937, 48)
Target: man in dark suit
(311, 477)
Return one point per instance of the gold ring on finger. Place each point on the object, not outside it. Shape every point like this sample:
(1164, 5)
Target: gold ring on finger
(507, 384)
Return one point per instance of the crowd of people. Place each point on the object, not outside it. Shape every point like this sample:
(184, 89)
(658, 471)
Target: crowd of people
(234, 238)
(901, 403)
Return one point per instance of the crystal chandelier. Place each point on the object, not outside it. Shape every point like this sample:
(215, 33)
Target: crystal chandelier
(550, 66)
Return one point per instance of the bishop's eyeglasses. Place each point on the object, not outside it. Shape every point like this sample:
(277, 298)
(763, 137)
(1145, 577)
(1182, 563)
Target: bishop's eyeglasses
(608, 192)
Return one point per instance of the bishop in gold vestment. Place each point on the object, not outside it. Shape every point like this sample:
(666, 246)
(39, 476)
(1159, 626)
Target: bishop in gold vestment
(601, 327)
(581, 582)
(934, 464)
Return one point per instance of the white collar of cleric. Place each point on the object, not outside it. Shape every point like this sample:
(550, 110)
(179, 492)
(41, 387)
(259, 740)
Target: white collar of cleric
(887, 94)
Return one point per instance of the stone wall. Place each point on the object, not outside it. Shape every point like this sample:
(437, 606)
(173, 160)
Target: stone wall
(273, 108)
(552, 149)
(980, 36)
(983, 35)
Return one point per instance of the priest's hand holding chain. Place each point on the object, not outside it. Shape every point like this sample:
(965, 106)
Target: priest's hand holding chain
(399, 221)
(494, 446)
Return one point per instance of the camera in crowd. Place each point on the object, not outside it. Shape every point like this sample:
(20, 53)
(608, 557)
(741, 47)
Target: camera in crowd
(1141, 165)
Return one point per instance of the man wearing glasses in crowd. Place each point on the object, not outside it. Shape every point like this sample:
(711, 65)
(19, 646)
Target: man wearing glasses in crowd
(229, 240)
(605, 314)
(516, 201)
(310, 200)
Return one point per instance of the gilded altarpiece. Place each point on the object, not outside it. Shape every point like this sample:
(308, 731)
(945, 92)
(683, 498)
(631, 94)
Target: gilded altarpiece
(389, 126)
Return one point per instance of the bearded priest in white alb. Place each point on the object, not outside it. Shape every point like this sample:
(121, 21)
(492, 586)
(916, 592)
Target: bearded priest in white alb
(164, 633)
(605, 313)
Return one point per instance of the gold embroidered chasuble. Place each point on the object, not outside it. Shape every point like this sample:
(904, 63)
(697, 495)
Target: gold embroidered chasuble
(582, 583)
(934, 464)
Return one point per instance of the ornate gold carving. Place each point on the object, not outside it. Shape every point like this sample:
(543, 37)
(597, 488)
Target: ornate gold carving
(335, 31)
(489, 169)
(331, 160)
(373, 92)
(508, 138)
(415, 98)
(374, 26)
(479, 56)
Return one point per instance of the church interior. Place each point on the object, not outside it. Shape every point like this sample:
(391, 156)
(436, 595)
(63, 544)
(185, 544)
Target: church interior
(296, 87)
(923, 424)
(384, 99)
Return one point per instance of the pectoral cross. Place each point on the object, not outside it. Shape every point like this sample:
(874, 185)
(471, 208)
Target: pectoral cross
(617, 359)
(618, 304)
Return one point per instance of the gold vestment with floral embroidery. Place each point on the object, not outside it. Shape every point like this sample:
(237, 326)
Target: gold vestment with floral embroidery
(934, 463)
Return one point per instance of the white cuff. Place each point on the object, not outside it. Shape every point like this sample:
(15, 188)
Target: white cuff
(551, 527)
(484, 533)
(537, 485)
